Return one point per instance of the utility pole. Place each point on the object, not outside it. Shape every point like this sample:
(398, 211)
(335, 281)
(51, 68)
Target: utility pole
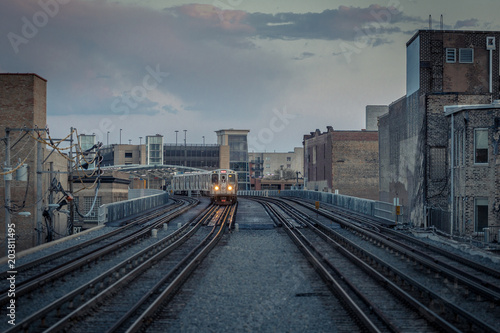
(7, 178)
(70, 180)
(38, 192)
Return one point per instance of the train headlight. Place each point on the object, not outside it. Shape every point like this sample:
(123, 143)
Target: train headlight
(216, 187)
(229, 187)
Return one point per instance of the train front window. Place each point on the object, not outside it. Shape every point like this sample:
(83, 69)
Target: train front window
(223, 178)
(215, 178)
(231, 178)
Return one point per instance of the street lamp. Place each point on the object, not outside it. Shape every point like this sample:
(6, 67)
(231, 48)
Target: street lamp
(176, 137)
(203, 139)
(107, 143)
(120, 136)
(185, 137)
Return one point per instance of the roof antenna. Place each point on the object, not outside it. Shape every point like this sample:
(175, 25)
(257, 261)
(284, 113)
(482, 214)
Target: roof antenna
(441, 21)
(430, 22)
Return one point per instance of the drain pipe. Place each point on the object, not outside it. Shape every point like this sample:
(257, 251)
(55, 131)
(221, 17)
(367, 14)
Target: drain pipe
(452, 164)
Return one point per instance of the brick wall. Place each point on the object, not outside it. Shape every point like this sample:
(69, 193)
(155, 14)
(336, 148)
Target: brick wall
(355, 163)
(22, 104)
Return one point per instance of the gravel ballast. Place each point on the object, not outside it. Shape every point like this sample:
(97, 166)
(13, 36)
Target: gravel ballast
(255, 281)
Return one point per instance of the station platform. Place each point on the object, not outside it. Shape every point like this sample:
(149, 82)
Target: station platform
(252, 216)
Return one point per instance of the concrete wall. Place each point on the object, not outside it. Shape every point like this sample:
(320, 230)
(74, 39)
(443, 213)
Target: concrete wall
(373, 112)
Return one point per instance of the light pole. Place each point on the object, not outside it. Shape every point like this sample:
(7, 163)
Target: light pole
(107, 143)
(185, 137)
(203, 140)
(120, 136)
(176, 137)
(140, 140)
(129, 141)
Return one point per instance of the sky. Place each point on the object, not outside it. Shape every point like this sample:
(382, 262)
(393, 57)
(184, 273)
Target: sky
(281, 69)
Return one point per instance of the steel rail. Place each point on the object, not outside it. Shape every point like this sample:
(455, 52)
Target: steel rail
(146, 317)
(355, 248)
(130, 264)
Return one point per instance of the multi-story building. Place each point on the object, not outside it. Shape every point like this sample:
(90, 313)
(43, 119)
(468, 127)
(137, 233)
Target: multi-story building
(344, 162)
(35, 173)
(117, 154)
(444, 68)
(238, 154)
(154, 149)
(200, 156)
(264, 165)
(474, 176)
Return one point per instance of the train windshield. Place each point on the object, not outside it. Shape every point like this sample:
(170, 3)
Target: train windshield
(215, 178)
(223, 178)
(231, 178)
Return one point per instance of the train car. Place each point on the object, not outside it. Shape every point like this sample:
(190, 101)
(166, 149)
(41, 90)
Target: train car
(223, 186)
(220, 185)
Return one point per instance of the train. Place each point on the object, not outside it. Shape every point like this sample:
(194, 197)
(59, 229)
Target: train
(220, 185)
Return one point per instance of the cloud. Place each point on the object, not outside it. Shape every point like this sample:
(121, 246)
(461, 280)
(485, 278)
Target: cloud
(304, 55)
(466, 23)
(343, 23)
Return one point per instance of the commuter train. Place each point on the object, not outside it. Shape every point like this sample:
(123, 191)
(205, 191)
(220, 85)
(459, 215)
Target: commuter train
(220, 185)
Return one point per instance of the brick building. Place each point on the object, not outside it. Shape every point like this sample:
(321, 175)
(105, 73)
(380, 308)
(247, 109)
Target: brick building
(474, 138)
(23, 106)
(443, 68)
(343, 161)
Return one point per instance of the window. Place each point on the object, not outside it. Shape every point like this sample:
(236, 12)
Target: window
(288, 158)
(481, 146)
(480, 213)
(466, 56)
(451, 55)
(128, 155)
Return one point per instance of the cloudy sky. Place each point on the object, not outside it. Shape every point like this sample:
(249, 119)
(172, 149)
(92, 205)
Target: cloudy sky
(280, 68)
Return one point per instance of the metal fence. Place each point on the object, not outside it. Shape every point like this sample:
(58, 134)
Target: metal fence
(119, 210)
(377, 209)
(439, 219)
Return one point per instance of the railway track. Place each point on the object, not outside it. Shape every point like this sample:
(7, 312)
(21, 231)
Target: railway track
(409, 276)
(127, 277)
(28, 271)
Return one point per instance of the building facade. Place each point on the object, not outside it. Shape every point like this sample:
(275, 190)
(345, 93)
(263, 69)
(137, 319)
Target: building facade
(237, 142)
(154, 149)
(117, 154)
(33, 186)
(201, 156)
(474, 138)
(265, 165)
(443, 68)
(344, 162)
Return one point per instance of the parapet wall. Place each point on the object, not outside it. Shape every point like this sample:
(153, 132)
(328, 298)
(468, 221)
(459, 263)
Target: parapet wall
(123, 209)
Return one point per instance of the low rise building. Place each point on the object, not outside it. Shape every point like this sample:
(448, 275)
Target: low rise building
(344, 162)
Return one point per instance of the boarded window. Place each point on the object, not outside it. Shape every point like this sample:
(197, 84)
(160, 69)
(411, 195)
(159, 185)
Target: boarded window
(438, 163)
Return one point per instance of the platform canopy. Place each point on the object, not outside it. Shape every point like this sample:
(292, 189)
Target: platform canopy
(157, 170)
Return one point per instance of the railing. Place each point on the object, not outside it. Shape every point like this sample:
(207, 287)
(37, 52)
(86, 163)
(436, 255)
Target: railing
(360, 205)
